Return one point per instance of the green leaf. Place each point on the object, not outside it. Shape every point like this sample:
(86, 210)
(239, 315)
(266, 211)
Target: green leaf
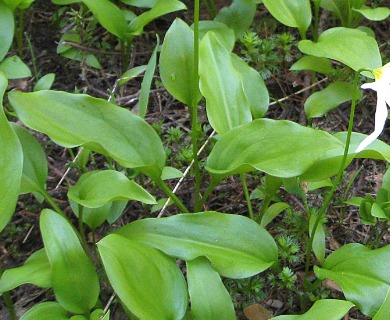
(209, 298)
(341, 8)
(130, 74)
(171, 173)
(46, 311)
(363, 274)
(236, 246)
(147, 83)
(65, 2)
(326, 309)
(272, 211)
(98, 187)
(374, 14)
(341, 44)
(140, 3)
(75, 282)
(11, 159)
(384, 310)
(177, 62)
(94, 217)
(109, 16)
(161, 8)
(45, 82)
(222, 31)
(7, 26)
(238, 16)
(292, 13)
(221, 85)
(319, 238)
(74, 120)
(14, 68)
(321, 65)
(278, 147)
(254, 87)
(34, 162)
(36, 270)
(320, 103)
(147, 281)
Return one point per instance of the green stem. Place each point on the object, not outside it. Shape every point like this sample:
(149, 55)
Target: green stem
(169, 192)
(328, 198)
(33, 58)
(208, 191)
(51, 201)
(19, 33)
(194, 109)
(316, 19)
(247, 197)
(8, 301)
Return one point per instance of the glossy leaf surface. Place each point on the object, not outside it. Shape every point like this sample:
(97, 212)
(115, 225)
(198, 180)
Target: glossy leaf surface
(340, 44)
(14, 68)
(161, 8)
(34, 162)
(280, 148)
(130, 74)
(45, 82)
(209, 298)
(384, 310)
(292, 13)
(238, 16)
(74, 280)
(363, 274)
(317, 64)
(11, 160)
(80, 120)
(223, 32)
(272, 211)
(98, 187)
(35, 270)
(236, 246)
(109, 16)
(319, 238)
(46, 311)
(326, 309)
(177, 62)
(375, 14)
(7, 26)
(148, 282)
(321, 102)
(221, 85)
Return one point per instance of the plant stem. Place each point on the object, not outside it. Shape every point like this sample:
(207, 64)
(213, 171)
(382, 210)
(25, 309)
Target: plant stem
(8, 301)
(33, 58)
(170, 193)
(51, 201)
(247, 197)
(328, 198)
(208, 191)
(316, 19)
(194, 109)
(19, 33)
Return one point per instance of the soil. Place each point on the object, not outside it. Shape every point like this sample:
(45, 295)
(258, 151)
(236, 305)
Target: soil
(44, 28)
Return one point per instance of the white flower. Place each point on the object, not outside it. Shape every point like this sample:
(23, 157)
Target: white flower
(382, 88)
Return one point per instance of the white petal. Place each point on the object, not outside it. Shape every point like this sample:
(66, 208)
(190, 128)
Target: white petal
(380, 120)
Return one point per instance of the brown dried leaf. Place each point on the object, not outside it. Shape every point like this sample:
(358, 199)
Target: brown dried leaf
(257, 312)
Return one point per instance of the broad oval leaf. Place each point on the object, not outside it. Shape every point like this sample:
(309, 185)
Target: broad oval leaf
(236, 246)
(177, 62)
(14, 68)
(254, 87)
(109, 16)
(341, 8)
(292, 13)
(326, 309)
(319, 245)
(221, 85)
(46, 311)
(317, 64)
(7, 26)
(340, 44)
(238, 16)
(223, 32)
(11, 159)
(278, 147)
(375, 14)
(35, 270)
(74, 120)
(209, 298)
(34, 162)
(147, 281)
(96, 188)
(161, 8)
(362, 273)
(74, 279)
(45, 82)
(321, 102)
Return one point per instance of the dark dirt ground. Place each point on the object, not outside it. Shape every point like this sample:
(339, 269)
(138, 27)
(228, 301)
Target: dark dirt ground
(21, 238)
